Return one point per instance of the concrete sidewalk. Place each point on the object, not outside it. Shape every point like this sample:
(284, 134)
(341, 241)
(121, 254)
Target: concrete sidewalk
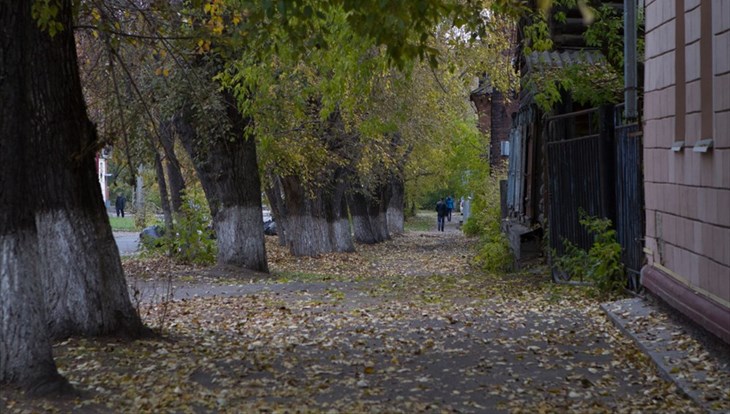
(127, 242)
(697, 362)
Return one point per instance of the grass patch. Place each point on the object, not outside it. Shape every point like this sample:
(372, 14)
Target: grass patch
(423, 221)
(122, 224)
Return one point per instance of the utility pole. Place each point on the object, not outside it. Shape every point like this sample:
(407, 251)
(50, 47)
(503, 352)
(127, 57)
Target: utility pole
(630, 82)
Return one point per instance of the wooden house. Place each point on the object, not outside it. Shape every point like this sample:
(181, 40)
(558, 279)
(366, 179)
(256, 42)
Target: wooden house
(574, 158)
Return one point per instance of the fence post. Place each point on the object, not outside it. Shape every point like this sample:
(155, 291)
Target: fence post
(607, 161)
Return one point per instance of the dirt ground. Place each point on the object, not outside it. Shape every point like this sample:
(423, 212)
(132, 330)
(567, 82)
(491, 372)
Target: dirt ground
(400, 327)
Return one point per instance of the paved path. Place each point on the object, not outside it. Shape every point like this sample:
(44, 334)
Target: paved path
(407, 343)
(127, 242)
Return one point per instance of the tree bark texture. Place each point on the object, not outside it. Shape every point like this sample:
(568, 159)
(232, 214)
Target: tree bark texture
(25, 348)
(228, 170)
(86, 292)
(316, 219)
(278, 207)
(60, 272)
(162, 185)
(369, 214)
(396, 207)
(172, 164)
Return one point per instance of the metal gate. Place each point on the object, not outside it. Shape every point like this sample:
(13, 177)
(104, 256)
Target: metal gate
(630, 196)
(594, 164)
(576, 162)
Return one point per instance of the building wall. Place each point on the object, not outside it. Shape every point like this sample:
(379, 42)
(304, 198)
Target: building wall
(501, 121)
(483, 103)
(687, 98)
(495, 118)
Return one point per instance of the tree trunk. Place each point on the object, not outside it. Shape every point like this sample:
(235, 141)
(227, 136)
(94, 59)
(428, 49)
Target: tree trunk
(358, 204)
(337, 214)
(278, 208)
(25, 348)
(228, 170)
(174, 174)
(396, 206)
(316, 224)
(162, 185)
(369, 214)
(86, 292)
(60, 272)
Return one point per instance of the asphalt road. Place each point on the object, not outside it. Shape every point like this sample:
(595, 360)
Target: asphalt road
(127, 242)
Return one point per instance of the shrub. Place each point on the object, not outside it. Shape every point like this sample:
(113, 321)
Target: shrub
(493, 253)
(192, 239)
(601, 264)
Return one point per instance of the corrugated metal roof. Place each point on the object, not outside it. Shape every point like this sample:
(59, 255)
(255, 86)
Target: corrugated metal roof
(484, 88)
(536, 61)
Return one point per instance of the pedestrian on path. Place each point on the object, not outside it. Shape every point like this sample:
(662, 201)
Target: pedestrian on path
(119, 204)
(449, 206)
(441, 213)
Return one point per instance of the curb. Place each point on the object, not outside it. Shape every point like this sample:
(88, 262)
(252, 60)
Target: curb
(659, 342)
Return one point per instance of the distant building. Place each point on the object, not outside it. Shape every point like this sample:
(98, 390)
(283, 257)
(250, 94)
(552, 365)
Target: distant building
(495, 118)
(560, 160)
(101, 171)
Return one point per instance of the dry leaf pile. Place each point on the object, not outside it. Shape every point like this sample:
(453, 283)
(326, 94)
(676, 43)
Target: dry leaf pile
(400, 327)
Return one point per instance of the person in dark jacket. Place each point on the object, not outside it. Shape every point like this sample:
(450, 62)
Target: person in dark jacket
(119, 204)
(449, 206)
(441, 212)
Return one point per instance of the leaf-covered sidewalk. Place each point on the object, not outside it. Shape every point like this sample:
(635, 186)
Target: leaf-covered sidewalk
(404, 326)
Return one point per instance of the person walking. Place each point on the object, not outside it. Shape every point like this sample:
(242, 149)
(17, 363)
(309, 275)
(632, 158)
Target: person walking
(119, 204)
(449, 206)
(441, 212)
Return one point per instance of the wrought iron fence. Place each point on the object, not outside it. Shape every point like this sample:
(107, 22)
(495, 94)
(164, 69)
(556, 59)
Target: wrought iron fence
(594, 164)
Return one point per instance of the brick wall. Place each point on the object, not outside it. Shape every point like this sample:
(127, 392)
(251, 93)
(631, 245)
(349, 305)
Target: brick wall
(687, 98)
(495, 119)
(483, 103)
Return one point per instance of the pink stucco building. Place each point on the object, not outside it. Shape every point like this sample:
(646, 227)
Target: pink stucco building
(687, 158)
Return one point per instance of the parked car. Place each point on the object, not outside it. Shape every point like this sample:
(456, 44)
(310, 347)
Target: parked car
(152, 236)
(270, 227)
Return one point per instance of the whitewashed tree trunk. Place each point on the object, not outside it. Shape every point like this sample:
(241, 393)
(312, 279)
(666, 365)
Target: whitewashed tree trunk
(60, 272)
(25, 348)
(341, 235)
(369, 215)
(228, 170)
(396, 207)
(336, 212)
(316, 224)
(83, 280)
(236, 244)
(308, 235)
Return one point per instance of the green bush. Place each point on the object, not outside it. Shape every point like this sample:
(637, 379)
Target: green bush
(601, 264)
(192, 237)
(493, 253)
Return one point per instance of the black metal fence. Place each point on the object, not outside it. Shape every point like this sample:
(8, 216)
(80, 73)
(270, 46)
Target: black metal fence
(630, 196)
(594, 165)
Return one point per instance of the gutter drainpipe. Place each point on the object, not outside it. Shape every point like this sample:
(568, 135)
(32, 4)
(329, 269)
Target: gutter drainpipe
(630, 75)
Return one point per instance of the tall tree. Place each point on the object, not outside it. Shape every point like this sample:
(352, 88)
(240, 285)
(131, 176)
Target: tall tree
(59, 255)
(228, 170)
(25, 348)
